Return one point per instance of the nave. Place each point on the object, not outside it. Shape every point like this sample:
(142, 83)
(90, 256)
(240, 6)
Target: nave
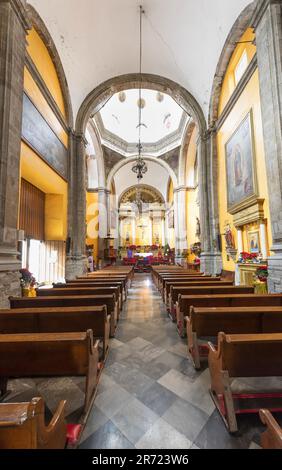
(149, 395)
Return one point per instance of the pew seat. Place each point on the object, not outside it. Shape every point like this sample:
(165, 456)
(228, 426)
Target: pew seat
(22, 426)
(71, 301)
(185, 302)
(59, 320)
(50, 355)
(271, 438)
(208, 322)
(246, 375)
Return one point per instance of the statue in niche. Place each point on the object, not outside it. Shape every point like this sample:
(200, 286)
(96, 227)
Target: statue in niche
(229, 239)
(198, 228)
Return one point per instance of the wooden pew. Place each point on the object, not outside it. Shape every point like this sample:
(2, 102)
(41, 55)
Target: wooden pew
(185, 302)
(176, 277)
(272, 437)
(70, 301)
(50, 355)
(97, 283)
(108, 279)
(254, 358)
(22, 426)
(186, 280)
(208, 322)
(82, 291)
(217, 288)
(59, 320)
(176, 287)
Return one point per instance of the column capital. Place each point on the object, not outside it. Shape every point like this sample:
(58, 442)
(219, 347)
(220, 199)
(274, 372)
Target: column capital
(79, 137)
(19, 8)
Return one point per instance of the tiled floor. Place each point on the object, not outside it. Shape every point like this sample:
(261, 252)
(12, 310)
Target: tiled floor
(150, 396)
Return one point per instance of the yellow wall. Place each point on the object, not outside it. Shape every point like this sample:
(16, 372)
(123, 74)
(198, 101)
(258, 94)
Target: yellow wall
(45, 66)
(92, 220)
(250, 99)
(229, 83)
(38, 173)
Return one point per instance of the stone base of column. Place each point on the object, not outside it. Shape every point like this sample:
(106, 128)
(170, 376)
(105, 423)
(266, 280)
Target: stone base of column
(274, 280)
(75, 267)
(9, 286)
(211, 263)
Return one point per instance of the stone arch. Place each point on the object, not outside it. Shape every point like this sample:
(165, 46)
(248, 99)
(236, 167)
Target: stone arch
(101, 94)
(131, 160)
(159, 197)
(43, 32)
(242, 23)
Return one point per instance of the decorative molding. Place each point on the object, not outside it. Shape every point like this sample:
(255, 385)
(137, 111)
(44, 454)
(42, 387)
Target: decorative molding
(99, 190)
(116, 143)
(249, 214)
(45, 92)
(237, 93)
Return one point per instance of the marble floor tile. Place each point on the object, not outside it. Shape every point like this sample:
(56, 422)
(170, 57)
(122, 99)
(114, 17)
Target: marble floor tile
(186, 418)
(163, 436)
(134, 420)
(110, 401)
(157, 398)
(107, 436)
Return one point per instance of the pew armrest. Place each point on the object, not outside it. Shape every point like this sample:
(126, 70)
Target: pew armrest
(272, 437)
(54, 435)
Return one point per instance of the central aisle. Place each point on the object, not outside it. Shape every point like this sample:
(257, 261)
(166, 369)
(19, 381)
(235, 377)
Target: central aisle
(150, 396)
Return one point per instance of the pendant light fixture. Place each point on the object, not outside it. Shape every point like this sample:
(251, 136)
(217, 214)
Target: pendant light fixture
(140, 167)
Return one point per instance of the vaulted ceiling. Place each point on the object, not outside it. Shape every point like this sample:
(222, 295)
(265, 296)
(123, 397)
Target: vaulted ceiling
(99, 39)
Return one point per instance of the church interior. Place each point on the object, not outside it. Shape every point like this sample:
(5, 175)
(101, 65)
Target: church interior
(141, 224)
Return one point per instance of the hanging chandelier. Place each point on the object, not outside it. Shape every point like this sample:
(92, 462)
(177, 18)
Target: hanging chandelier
(140, 167)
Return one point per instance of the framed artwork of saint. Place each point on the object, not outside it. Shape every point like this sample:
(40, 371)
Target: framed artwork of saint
(254, 241)
(240, 165)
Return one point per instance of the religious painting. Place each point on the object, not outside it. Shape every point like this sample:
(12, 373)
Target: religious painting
(254, 241)
(241, 179)
(171, 219)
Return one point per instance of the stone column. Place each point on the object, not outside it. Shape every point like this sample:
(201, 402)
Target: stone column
(13, 29)
(133, 228)
(267, 24)
(263, 239)
(163, 232)
(103, 199)
(76, 262)
(211, 258)
(240, 240)
(150, 231)
(181, 228)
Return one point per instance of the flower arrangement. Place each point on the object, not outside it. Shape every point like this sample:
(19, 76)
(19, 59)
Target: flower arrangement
(262, 273)
(132, 247)
(154, 247)
(246, 257)
(27, 279)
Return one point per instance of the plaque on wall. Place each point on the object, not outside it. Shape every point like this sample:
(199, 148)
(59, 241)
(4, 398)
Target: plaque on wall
(37, 133)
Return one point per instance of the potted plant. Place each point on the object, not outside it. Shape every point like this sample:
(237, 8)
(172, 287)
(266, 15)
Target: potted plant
(28, 283)
(262, 273)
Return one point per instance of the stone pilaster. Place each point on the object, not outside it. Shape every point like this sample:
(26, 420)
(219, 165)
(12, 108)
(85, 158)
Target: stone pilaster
(13, 29)
(268, 27)
(76, 262)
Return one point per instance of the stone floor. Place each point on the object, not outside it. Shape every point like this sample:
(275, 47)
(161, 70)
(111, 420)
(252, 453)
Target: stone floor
(150, 396)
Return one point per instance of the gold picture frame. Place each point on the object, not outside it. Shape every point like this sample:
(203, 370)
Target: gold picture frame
(254, 245)
(241, 175)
